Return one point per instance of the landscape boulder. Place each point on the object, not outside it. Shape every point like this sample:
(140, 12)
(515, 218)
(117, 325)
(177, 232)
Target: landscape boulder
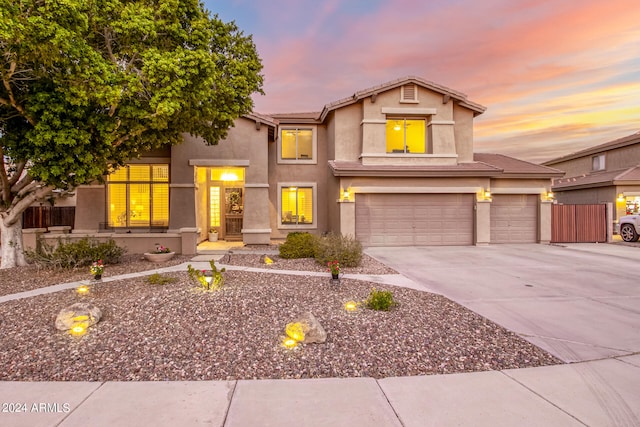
(311, 327)
(80, 312)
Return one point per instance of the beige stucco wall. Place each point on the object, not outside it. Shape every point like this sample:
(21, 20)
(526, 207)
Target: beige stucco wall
(344, 127)
(90, 208)
(316, 174)
(620, 158)
(442, 132)
(463, 133)
(246, 146)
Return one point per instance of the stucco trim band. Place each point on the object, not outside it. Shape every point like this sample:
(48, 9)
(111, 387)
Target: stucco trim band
(218, 162)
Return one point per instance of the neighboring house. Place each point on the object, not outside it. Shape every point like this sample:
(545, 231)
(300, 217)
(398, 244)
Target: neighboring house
(391, 165)
(606, 173)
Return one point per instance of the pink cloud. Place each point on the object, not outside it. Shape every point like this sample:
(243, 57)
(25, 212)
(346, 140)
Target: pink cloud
(514, 57)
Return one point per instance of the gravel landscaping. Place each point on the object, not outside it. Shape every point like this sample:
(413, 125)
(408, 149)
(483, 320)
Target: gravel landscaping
(177, 331)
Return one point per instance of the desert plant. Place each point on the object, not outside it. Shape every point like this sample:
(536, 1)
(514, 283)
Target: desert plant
(380, 300)
(81, 253)
(159, 279)
(298, 245)
(201, 277)
(345, 249)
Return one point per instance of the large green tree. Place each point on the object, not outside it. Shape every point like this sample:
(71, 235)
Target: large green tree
(89, 84)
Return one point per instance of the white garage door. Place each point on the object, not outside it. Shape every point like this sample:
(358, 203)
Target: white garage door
(514, 218)
(414, 219)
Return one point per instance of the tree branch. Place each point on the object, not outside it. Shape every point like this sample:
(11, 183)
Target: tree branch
(6, 81)
(19, 169)
(19, 205)
(4, 179)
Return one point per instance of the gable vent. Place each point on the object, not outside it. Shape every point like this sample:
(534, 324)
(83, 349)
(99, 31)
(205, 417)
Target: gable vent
(409, 93)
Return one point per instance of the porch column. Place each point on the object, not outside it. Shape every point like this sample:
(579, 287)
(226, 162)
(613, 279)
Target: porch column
(544, 221)
(256, 229)
(483, 222)
(347, 217)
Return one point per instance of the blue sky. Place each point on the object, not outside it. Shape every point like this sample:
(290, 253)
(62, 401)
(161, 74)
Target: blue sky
(556, 76)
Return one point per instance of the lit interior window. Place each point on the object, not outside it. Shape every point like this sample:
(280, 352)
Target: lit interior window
(297, 205)
(406, 136)
(297, 144)
(138, 196)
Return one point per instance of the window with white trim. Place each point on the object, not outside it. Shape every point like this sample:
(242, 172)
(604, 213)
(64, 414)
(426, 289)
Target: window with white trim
(597, 163)
(138, 196)
(297, 145)
(297, 205)
(406, 135)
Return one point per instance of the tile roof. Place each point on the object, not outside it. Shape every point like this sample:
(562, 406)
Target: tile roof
(617, 143)
(513, 166)
(599, 179)
(459, 96)
(355, 168)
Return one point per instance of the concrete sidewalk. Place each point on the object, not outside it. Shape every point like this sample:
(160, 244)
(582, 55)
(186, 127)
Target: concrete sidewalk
(600, 393)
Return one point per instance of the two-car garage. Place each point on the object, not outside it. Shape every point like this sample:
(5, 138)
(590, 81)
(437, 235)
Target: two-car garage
(414, 219)
(442, 219)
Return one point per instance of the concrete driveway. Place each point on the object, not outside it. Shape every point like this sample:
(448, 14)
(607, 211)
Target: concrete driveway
(580, 302)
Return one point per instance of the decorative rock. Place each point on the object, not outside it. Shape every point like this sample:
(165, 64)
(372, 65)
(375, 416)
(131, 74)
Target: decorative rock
(313, 330)
(80, 312)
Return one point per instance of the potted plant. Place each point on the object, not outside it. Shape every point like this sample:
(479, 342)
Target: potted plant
(334, 268)
(160, 254)
(213, 234)
(96, 269)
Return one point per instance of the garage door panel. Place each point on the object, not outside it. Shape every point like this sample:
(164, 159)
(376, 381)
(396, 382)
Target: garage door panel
(414, 219)
(514, 218)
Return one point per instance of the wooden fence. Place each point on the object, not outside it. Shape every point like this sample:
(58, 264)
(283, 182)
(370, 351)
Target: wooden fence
(578, 223)
(48, 216)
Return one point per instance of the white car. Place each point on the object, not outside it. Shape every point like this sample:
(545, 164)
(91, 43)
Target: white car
(629, 226)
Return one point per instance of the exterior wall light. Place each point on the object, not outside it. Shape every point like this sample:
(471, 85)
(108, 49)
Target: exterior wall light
(346, 194)
(487, 194)
(550, 195)
(621, 198)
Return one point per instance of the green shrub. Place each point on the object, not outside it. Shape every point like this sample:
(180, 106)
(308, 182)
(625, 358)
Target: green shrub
(159, 279)
(298, 245)
(81, 253)
(336, 247)
(380, 300)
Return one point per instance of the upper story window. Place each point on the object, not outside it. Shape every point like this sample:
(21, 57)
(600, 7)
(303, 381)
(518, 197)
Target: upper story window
(406, 135)
(138, 196)
(297, 145)
(597, 162)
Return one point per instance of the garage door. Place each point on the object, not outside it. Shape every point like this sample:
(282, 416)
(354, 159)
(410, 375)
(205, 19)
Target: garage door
(414, 219)
(514, 218)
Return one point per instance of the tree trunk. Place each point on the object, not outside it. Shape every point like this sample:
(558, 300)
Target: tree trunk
(12, 249)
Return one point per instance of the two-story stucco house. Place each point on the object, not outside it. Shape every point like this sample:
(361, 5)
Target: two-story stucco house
(391, 165)
(606, 173)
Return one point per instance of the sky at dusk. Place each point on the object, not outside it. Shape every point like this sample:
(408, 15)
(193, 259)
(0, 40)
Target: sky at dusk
(556, 76)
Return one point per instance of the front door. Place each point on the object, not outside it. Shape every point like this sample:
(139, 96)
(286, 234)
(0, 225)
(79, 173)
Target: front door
(225, 200)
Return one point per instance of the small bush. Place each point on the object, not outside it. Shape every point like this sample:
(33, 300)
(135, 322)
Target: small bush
(380, 300)
(336, 247)
(82, 253)
(159, 279)
(298, 245)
